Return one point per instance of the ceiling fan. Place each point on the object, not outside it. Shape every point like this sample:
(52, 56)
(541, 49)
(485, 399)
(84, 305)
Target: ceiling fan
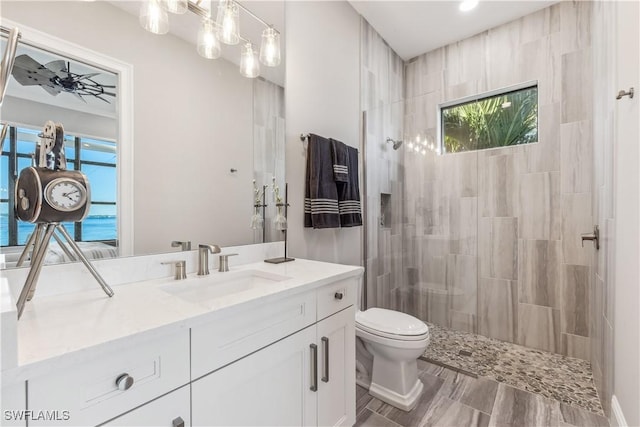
(56, 77)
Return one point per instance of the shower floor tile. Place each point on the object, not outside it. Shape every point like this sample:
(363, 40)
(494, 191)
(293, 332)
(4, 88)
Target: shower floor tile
(564, 379)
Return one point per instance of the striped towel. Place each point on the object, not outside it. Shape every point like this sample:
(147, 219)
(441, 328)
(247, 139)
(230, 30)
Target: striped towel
(340, 157)
(349, 193)
(321, 193)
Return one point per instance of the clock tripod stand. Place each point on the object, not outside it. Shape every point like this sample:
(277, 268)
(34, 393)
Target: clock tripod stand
(40, 239)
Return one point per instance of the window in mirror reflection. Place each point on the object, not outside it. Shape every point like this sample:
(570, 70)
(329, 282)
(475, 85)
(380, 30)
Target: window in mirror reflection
(94, 157)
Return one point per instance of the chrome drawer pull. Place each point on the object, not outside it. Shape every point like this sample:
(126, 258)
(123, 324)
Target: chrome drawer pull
(338, 295)
(314, 367)
(124, 382)
(325, 366)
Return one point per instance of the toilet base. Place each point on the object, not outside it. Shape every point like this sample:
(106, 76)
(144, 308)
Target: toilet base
(405, 402)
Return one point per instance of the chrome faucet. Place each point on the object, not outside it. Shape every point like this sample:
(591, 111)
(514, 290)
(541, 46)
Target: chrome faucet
(223, 265)
(184, 246)
(203, 257)
(180, 268)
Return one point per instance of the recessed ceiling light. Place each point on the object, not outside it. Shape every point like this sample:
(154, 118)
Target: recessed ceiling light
(467, 5)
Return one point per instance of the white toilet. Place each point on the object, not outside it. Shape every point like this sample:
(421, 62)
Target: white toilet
(395, 340)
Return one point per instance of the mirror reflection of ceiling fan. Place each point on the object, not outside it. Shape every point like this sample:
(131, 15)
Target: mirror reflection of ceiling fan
(56, 77)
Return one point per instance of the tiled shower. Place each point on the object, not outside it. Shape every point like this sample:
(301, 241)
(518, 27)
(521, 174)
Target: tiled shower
(489, 241)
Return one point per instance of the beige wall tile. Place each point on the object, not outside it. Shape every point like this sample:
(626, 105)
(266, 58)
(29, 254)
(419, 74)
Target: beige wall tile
(539, 272)
(539, 327)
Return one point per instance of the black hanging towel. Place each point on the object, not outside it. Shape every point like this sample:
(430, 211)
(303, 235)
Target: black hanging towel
(321, 193)
(348, 191)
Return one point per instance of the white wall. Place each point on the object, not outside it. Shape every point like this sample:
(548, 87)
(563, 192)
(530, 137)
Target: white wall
(322, 96)
(627, 240)
(193, 122)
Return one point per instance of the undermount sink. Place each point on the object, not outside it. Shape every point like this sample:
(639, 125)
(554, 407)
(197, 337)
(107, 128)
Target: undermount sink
(201, 289)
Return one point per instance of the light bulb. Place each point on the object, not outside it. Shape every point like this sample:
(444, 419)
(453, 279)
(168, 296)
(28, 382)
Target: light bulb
(208, 44)
(410, 145)
(176, 6)
(270, 48)
(467, 5)
(227, 22)
(153, 17)
(423, 152)
(417, 148)
(249, 64)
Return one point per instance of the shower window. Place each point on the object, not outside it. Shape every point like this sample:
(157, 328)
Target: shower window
(505, 118)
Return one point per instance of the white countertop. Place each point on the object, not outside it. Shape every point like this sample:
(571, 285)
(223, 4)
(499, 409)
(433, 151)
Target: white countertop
(64, 329)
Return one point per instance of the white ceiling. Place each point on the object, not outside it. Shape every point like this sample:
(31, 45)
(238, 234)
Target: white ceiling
(186, 27)
(412, 28)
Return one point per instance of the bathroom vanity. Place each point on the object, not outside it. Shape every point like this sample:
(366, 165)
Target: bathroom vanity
(262, 344)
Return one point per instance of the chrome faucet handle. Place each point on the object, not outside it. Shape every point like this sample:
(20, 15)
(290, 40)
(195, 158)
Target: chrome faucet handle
(180, 268)
(203, 257)
(184, 246)
(223, 265)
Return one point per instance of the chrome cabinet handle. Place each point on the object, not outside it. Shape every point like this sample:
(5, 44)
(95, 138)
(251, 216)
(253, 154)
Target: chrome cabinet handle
(325, 366)
(178, 422)
(124, 382)
(338, 295)
(314, 367)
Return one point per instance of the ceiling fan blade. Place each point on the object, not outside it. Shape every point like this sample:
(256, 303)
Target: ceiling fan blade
(77, 95)
(57, 66)
(51, 90)
(87, 76)
(101, 98)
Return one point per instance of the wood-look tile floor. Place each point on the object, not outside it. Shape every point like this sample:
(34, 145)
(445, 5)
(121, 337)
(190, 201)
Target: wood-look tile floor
(451, 398)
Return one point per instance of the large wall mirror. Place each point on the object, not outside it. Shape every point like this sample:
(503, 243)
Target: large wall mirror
(171, 142)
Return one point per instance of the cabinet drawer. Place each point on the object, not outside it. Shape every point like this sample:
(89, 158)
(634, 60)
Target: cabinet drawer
(222, 341)
(337, 296)
(171, 410)
(89, 392)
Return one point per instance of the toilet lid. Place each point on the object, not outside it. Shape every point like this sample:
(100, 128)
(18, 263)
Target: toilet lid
(376, 320)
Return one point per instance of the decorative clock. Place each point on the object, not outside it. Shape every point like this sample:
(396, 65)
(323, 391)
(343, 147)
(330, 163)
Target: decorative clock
(49, 194)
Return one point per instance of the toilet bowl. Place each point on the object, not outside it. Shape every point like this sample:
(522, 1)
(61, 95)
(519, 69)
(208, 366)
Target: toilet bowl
(395, 340)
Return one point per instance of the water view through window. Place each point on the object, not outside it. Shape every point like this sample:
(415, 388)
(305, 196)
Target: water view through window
(506, 119)
(95, 158)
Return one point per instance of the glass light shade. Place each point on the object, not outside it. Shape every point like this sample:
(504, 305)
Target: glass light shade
(270, 48)
(280, 221)
(228, 22)
(249, 64)
(256, 220)
(153, 17)
(176, 6)
(208, 44)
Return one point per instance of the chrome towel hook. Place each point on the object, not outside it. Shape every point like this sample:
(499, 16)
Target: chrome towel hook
(623, 93)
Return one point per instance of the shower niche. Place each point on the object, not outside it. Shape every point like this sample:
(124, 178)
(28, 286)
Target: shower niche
(385, 210)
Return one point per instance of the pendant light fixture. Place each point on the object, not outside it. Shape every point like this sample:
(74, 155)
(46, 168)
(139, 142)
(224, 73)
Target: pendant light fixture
(249, 64)
(153, 17)
(270, 47)
(228, 22)
(226, 29)
(178, 7)
(208, 44)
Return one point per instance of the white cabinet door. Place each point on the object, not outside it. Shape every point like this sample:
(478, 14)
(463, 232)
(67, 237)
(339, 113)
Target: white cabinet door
(336, 369)
(171, 410)
(269, 388)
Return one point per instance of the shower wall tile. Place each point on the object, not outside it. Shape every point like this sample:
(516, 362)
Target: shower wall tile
(541, 61)
(497, 185)
(539, 206)
(539, 272)
(545, 155)
(577, 86)
(461, 282)
(539, 327)
(576, 157)
(576, 346)
(498, 309)
(576, 220)
(575, 300)
(463, 225)
(575, 21)
(463, 321)
(498, 244)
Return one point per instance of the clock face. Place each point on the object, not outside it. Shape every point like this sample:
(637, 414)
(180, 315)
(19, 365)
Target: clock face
(65, 194)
